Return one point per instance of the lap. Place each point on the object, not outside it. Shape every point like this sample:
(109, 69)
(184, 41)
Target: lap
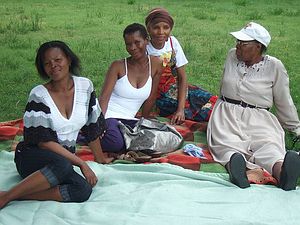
(30, 159)
(113, 140)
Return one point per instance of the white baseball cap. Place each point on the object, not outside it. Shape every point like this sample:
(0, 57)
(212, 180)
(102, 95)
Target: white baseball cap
(253, 31)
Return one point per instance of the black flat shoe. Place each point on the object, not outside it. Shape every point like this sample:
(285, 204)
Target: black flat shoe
(237, 171)
(290, 171)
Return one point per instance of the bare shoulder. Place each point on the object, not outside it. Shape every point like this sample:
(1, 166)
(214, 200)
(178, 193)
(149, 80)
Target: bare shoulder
(117, 67)
(156, 65)
(117, 64)
(156, 62)
(155, 59)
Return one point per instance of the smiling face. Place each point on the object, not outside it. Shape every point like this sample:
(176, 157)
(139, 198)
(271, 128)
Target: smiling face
(135, 44)
(159, 33)
(56, 64)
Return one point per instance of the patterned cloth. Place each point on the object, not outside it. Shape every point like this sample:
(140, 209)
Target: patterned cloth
(198, 105)
(199, 102)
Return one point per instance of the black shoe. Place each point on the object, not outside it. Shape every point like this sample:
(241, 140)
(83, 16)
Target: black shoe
(237, 171)
(290, 171)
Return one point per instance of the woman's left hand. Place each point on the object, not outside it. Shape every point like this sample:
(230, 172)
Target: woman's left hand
(105, 160)
(99, 156)
(178, 117)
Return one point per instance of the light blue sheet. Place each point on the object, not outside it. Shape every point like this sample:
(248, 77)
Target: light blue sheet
(155, 194)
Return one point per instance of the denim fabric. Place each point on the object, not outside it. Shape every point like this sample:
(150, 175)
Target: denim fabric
(50, 176)
(57, 170)
(63, 189)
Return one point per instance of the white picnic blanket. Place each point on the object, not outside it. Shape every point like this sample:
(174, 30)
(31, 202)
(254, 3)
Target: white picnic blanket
(155, 194)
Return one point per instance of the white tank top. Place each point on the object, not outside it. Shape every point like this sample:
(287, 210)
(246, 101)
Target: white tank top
(126, 100)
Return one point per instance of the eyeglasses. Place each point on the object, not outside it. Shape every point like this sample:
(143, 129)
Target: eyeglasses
(242, 43)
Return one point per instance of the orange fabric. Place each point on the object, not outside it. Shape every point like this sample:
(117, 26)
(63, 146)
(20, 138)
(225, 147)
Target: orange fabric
(166, 80)
(260, 176)
(185, 161)
(9, 129)
(188, 128)
(85, 153)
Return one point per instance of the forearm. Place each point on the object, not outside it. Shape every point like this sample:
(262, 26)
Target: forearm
(57, 148)
(96, 148)
(181, 97)
(147, 107)
(285, 108)
(111, 78)
(103, 102)
(182, 89)
(149, 103)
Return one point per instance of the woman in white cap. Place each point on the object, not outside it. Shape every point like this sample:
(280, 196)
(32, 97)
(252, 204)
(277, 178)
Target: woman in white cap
(242, 133)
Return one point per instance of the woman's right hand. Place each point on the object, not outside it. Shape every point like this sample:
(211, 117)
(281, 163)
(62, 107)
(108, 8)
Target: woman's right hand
(89, 174)
(178, 117)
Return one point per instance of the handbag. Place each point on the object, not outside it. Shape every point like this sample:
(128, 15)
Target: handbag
(150, 134)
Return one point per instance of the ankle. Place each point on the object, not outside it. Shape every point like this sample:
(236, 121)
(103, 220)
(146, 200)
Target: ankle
(3, 199)
(276, 171)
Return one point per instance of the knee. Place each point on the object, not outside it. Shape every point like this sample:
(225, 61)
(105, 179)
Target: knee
(83, 193)
(113, 144)
(113, 140)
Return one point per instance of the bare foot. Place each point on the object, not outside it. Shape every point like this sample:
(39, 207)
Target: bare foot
(3, 200)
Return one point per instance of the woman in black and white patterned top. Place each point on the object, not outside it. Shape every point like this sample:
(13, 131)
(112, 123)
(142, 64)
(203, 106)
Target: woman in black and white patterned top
(54, 115)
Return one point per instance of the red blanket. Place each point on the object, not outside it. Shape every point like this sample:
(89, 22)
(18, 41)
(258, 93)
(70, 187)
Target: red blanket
(11, 133)
(10, 129)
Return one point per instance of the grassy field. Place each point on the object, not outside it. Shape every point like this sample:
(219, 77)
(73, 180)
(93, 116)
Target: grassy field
(93, 29)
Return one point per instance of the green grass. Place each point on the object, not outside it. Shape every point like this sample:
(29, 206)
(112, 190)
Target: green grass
(93, 29)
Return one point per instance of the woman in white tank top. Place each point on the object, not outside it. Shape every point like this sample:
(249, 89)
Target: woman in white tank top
(130, 84)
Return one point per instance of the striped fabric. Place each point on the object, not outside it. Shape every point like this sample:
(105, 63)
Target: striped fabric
(43, 121)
